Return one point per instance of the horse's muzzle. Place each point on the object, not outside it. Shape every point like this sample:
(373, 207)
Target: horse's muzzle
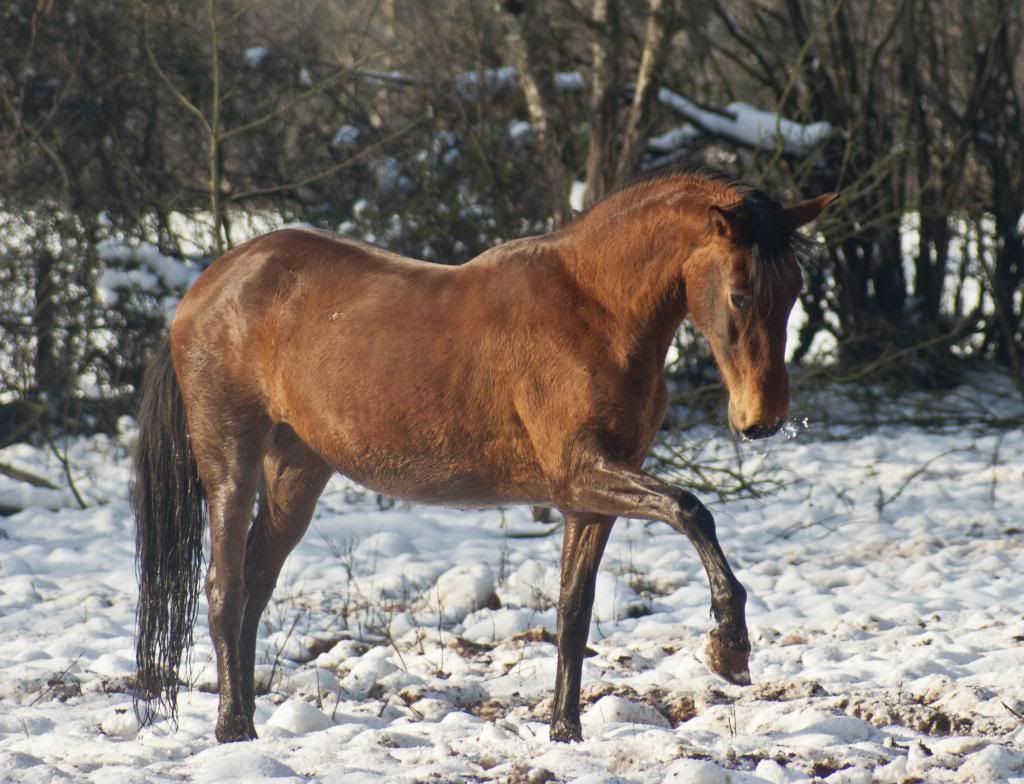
(761, 431)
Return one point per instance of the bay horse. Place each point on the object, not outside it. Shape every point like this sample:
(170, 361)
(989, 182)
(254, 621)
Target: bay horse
(532, 374)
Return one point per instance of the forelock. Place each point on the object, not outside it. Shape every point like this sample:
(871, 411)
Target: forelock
(777, 253)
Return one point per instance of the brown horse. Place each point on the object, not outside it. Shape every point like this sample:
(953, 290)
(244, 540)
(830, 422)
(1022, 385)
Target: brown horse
(531, 374)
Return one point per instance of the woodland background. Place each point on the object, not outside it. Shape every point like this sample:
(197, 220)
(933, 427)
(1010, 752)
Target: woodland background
(138, 140)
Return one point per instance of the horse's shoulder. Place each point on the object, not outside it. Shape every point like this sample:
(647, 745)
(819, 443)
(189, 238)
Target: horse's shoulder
(527, 259)
(308, 237)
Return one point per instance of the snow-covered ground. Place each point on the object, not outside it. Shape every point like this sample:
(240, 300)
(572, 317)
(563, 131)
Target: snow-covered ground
(415, 644)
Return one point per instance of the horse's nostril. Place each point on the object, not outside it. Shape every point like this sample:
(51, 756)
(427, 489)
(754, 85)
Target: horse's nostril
(761, 431)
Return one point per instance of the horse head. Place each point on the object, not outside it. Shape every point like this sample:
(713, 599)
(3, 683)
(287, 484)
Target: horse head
(740, 288)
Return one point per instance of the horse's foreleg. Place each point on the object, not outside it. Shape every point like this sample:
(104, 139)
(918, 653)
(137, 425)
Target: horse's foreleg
(728, 646)
(582, 546)
(294, 478)
(620, 490)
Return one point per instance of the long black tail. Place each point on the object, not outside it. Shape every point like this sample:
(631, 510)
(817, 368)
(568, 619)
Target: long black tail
(170, 518)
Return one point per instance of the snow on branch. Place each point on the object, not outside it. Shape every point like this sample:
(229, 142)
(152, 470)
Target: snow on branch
(738, 122)
(468, 83)
(747, 125)
(393, 77)
(492, 79)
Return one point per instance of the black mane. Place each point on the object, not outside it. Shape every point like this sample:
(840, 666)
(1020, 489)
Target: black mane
(777, 252)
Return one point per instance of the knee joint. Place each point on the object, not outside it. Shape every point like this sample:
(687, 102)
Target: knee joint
(694, 513)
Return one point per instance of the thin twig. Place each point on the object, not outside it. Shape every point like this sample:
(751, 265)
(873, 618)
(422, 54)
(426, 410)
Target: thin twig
(179, 96)
(331, 170)
(995, 468)
(21, 475)
(66, 466)
(884, 502)
(55, 681)
(1015, 713)
(537, 534)
(889, 358)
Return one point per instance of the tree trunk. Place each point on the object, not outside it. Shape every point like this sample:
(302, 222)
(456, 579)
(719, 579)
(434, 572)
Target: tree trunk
(521, 47)
(604, 97)
(50, 372)
(660, 27)
(214, 159)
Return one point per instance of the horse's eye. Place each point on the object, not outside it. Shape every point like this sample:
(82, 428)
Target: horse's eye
(741, 300)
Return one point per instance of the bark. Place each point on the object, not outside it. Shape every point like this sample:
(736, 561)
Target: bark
(521, 46)
(214, 158)
(50, 372)
(604, 97)
(660, 26)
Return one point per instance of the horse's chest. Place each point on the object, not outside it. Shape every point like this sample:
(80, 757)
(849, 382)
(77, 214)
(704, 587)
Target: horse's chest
(630, 423)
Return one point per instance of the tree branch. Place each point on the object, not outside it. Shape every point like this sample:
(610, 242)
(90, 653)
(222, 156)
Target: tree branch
(363, 153)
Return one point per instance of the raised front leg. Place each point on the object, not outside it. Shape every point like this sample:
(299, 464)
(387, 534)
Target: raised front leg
(582, 547)
(620, 490)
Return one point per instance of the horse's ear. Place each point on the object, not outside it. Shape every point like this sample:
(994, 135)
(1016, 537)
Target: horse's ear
(806, 211)
(723, 221)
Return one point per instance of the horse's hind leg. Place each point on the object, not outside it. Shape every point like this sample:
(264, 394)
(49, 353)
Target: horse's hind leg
(294, 477)
(582, 546)
(228, 451)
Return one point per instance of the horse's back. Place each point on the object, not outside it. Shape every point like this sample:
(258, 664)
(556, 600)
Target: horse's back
(257, 299)
(273, 259)
(397, 371)
(262, 277)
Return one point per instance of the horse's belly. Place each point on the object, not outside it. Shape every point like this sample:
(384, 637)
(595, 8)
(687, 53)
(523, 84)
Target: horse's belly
(453, 482)
(437, 466)
(424, 425)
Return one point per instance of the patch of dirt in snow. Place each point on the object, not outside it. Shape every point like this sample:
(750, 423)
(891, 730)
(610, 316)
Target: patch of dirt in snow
(943, 710)
(783, 691)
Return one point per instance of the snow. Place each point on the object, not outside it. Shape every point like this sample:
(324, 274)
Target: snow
(255, 55)
(569, 81)
(468, 84)
(673, 139)
(618, 710)
(152, 269)
(299, 718)
(748, 125)
(536, 584)
(576, 195)
(688, 771)
(20, 495)
(386, 172)
(462, 589)
(346, 135)
(493, 79)
(518, 129)
(416, 643)
(614, 599)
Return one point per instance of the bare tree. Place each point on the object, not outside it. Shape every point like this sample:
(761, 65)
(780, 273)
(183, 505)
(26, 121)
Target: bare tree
(520, 22)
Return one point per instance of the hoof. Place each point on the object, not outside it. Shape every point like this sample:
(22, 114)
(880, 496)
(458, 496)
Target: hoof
(565, 731)
(731, 660)
(235, 729)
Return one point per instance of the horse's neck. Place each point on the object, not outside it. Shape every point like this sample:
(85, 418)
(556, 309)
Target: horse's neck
(633, 271)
